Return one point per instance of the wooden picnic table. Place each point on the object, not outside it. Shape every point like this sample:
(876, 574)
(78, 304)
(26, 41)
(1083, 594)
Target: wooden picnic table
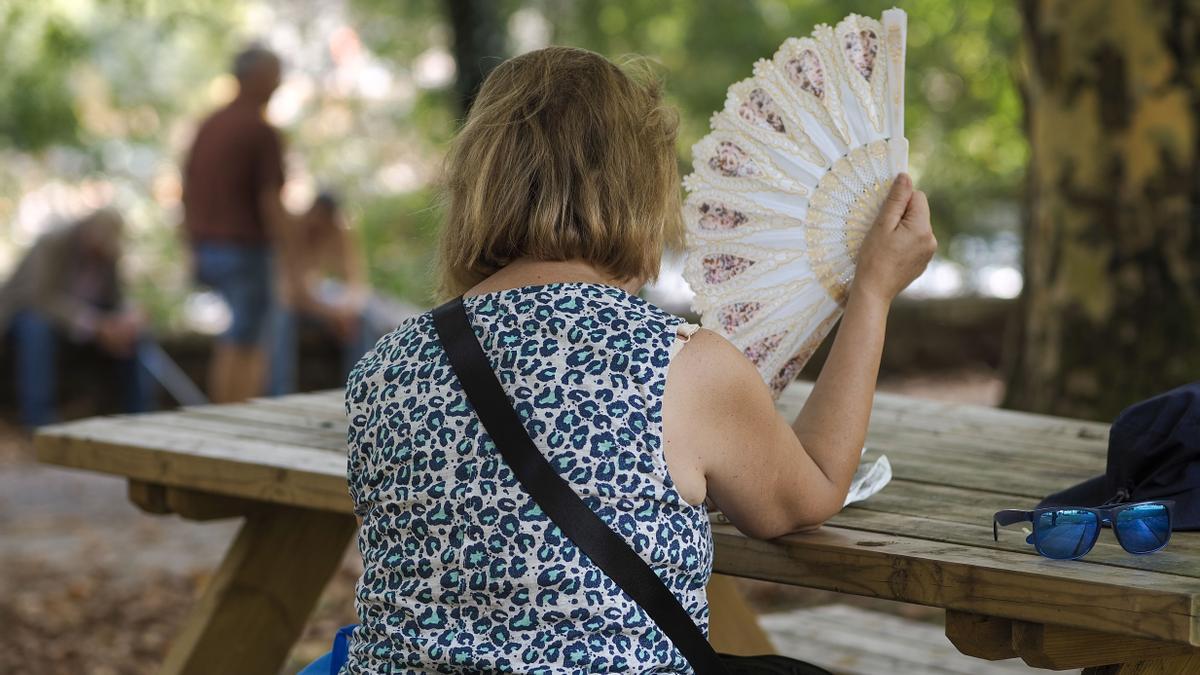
(926, 538)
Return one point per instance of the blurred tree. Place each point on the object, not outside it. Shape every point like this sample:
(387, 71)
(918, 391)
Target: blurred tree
(36, 106)
(479, 44)
(1111, 308)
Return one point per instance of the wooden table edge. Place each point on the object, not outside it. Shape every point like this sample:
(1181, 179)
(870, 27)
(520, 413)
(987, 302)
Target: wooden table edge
(260, 482)
(905, 571)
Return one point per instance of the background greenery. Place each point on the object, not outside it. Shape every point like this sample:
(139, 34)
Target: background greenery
(99, 98)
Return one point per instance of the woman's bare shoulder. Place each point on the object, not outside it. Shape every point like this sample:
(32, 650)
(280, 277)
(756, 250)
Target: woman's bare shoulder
(714, 393)
(718, 415)
(709, 364)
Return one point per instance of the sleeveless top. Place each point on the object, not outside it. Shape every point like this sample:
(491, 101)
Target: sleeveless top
(463, 573)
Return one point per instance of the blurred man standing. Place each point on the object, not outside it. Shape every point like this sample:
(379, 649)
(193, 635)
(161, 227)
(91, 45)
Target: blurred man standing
(233, 214)
(68, 286)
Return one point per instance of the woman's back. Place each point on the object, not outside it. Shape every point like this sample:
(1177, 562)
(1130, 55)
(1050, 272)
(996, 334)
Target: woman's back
(463, 572)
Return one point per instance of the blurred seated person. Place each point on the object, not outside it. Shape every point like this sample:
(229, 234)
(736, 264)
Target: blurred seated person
(67, 287)
(322, 283)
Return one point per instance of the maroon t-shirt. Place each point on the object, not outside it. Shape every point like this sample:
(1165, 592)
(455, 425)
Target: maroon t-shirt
(236, 156)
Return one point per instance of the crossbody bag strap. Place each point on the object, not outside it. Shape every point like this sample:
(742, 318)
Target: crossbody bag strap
(556, 498)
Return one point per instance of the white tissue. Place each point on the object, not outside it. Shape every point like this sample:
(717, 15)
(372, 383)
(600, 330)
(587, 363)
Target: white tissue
(869, 479)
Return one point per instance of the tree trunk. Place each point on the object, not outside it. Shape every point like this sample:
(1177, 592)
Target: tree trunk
(1111, 307)
(479, 44)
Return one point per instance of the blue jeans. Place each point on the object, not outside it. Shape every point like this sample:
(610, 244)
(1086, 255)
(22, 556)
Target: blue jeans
(242, 277)
(286, 324)
(35, 343)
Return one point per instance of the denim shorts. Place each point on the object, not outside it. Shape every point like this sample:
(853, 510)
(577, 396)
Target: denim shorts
(242, 276)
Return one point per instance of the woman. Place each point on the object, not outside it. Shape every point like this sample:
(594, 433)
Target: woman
(322, 281)
(562, 190)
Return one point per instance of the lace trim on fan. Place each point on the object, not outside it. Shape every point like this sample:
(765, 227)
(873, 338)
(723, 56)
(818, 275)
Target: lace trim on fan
(731, 265)
(855, 44)
(860, 205)
(723, 210)
(859, 39)
(791, 74)
(743, 321)
(753, 111)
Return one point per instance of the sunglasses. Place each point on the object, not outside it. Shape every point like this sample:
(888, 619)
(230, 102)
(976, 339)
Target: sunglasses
(1068, 533)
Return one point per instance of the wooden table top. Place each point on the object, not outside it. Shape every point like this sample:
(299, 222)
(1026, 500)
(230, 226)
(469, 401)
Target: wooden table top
(926, 538)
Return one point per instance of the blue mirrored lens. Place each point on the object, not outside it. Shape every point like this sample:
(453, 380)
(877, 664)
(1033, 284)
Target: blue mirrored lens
(1065, 533)
(1143, 528)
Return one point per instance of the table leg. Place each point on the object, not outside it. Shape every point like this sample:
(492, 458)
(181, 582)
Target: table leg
(1063, 647)
(259, 599)
(1179, 665)
(732, 624)
(984, 637)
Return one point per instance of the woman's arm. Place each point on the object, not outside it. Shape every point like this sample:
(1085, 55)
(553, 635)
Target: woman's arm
(832, 426)
(720, 421)
(833, 422)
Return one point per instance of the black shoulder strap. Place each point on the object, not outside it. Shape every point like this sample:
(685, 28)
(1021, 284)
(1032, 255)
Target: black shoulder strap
(556, 497)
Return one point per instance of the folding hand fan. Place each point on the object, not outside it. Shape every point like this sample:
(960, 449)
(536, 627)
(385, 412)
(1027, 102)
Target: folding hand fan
(789, 182)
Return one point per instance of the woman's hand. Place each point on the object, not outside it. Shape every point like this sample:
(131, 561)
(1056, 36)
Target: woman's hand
(719, 418)
(899, 245)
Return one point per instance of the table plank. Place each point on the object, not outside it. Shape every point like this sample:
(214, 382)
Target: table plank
(215, 427)
(268, 472)
(973, 423)
(1177, 559)
(998, 583)
(924, 539)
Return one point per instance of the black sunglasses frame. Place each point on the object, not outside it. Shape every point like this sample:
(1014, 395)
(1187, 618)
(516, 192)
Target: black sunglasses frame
(1105, 516)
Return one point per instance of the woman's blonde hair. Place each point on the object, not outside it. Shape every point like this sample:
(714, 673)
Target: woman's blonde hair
(564, 156)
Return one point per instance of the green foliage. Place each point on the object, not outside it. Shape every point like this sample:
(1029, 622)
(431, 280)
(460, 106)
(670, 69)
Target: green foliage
(91, 93)
(36, 106)
(963, 111)
(143, 53)
(399, 232)
(109, 91)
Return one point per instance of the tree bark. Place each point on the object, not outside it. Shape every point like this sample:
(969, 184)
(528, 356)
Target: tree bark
(1111, 308)
(479, 44)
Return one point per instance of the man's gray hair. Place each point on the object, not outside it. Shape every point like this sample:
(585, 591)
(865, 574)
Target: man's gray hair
(251, 58)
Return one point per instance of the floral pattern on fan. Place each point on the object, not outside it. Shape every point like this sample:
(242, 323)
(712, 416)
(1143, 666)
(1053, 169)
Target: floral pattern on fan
(717, 215)
(788, 184)
(759, 108)
(737, 313)
(724, 266)
(807, 71)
